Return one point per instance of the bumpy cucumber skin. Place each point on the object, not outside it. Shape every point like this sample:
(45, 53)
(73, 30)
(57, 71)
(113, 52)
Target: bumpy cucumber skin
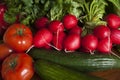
(51, 71)
(77, 60)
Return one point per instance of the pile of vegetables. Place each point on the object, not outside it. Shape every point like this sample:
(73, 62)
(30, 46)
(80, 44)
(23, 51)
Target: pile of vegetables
(50, 37)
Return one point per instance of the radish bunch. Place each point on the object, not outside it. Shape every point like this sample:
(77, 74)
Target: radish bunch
(103, 37)
(66, 35)
(113, 22)
(108, 35)
(60, 35)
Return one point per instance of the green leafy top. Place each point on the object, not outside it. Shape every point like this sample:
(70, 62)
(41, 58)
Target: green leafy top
(115, 7)
(29, 10)
(89, 12)
(93, 13)
(26, 9)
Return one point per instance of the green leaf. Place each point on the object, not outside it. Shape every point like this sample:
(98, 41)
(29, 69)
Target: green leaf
(29, 10)
(116, 6)
(9, 18)
(28, 2)
(116, 3)
(75, 9)
(94, 12)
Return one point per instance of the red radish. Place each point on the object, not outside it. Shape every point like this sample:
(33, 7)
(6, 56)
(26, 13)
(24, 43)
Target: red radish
(89, 43)
(76, 30)
(58, 40)
(70, 21)
(101, 31)
(41, 22)
(3, 24)
(56, 26)
(113, 21)
(115, 36)
(2, 30)
(104, 45)
(47, 47)
(71, 42)
(42, 37)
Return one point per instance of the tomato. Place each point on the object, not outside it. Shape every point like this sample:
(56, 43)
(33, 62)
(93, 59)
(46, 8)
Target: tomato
(4, 51)
(0, 68)
(18, 37)
(17, 67)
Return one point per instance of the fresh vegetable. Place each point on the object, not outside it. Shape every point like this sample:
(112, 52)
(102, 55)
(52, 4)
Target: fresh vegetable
(41, 22)
(3, 9)
(115, 36)
(18, 37)
(78, 60)
(28, 12)
(42, 37)
(3, 24)
(58, 40)
(17, 66)
(113, 21)
(105, 45)
(89, 43)
(113, 7)
(5, 51)
(46, 46)
(0, 71)
(92, 14)
(88, 14)
(76, 30)
(101, 32)
(56, 26)
(72, 42)
(70, 21)
(51, 71)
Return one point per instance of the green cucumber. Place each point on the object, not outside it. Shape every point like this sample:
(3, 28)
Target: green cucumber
(78, 60)
(51, 71)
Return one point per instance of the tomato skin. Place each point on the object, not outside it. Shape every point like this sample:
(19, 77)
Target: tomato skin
(18, 37)
(4, 51)
(17, 67)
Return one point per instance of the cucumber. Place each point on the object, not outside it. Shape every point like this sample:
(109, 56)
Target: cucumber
(51, 71)
(78, 60)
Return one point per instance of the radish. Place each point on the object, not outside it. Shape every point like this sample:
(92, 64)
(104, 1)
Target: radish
(71, 42)
(42, 37)
(58, 40)
(41, 22)
(56, 26)
(115, 36)
(89, 43)
(3, 24)
(70, 21)
(101, 31)
(47, 46)
(76, 30)
(104, 45)
(113, 21)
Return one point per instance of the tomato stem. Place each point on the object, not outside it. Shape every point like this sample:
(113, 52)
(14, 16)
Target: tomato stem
(20, 32)
(13, 63)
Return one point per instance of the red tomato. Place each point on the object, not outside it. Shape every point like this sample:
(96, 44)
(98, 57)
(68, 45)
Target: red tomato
(4, 51)
(17, 67)
(0, 68)
(18, 37)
